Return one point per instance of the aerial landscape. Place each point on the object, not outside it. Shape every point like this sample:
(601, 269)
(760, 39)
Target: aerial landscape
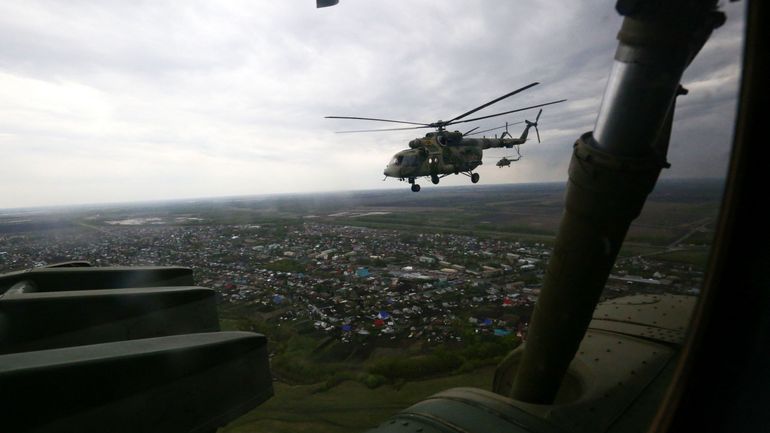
(373, 295)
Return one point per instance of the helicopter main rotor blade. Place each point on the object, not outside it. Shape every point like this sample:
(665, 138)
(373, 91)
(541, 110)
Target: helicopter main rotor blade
(492, 102)
(376, 120)
(507, 112)
(495, 129)
(383, 129)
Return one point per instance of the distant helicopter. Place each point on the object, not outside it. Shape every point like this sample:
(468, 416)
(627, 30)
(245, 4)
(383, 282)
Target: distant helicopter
(442, 152)
(505, 162)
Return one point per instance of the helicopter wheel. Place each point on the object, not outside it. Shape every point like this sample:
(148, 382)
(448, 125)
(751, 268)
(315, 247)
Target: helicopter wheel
(415, 187)
(475, 177)
(434, 179)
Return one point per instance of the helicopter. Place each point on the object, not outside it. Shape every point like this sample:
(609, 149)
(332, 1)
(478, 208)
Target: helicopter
(505, 162)
(442, 153)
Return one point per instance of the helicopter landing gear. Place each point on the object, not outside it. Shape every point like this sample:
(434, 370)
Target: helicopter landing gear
(475, 177)
(415, 187)
(434, 178)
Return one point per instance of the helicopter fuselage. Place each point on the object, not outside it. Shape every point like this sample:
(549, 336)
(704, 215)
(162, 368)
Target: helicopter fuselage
(442, 153)
(426, 157)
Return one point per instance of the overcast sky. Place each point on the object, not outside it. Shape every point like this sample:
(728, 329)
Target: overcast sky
(115, 101)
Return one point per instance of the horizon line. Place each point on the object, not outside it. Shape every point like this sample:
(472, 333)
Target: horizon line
(296, 193)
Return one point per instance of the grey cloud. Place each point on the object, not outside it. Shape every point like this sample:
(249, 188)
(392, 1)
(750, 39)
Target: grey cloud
(246, 84)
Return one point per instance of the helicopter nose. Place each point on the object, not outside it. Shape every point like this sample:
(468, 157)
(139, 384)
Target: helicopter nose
(390, 171)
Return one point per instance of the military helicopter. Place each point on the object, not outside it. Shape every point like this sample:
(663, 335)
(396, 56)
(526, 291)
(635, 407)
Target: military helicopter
(441, 153)
(505, 162)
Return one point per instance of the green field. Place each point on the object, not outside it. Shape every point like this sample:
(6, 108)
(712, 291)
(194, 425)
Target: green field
(694, 256)
(348, 407)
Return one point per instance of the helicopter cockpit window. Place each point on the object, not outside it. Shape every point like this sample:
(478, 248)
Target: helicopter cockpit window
(397, 160)
(411, 160)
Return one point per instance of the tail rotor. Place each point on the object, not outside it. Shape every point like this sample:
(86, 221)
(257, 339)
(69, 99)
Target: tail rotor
(535, 124)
